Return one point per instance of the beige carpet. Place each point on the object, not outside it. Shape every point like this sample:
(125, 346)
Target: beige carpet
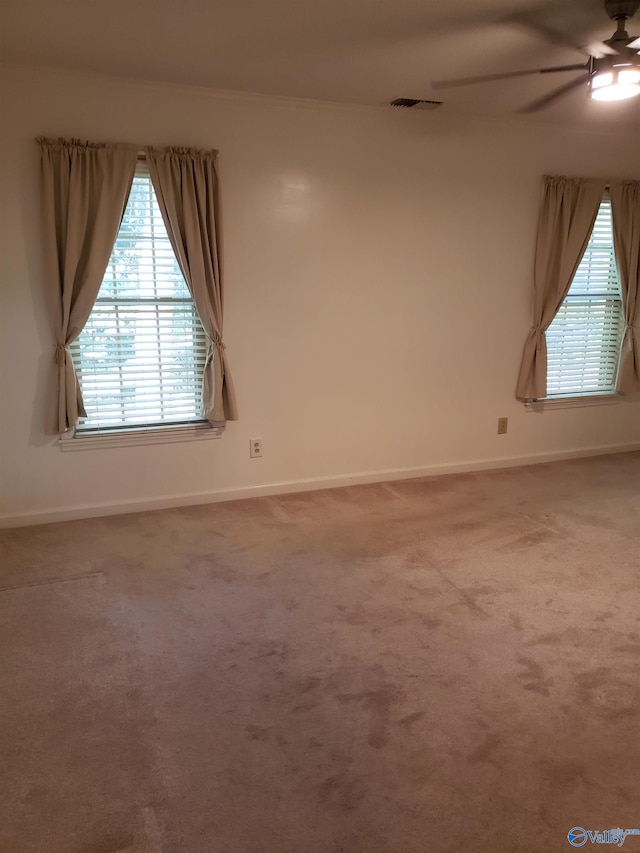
(447, 664)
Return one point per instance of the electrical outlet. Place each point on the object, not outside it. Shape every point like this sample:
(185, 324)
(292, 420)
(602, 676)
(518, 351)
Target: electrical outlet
(502, 425)
(255, 447)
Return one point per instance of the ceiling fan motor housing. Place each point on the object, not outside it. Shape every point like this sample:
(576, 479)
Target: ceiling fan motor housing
(624, 58)
(621, 9)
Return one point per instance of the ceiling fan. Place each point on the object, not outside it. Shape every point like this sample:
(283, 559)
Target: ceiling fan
(612, 70)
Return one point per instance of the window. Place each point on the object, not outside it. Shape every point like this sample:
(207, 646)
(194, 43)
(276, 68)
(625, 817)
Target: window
(584, 339)
(140, 358)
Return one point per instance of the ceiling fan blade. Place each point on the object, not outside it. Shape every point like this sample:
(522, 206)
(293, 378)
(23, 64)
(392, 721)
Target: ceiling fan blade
(527, 19)
(577, 66)
(488, 78)
(598, 49)
(555, 95)
(635, 44)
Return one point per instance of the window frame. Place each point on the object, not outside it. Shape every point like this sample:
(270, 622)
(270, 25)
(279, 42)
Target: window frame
(129, 436)
(580, 399)
(545, 404)
(122, 435)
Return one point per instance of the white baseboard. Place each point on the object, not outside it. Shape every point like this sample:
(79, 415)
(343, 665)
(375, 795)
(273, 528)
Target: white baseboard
(313, 484)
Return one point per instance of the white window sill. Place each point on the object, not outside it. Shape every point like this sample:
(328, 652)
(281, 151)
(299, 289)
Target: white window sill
(551, 403)
(73, 440)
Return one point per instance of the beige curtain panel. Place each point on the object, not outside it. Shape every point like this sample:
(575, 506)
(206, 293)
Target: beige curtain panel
(625, 210)
(85, 191)
(186, 184)
(569, 208)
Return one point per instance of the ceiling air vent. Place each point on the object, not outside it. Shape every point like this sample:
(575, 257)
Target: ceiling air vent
(414, 104)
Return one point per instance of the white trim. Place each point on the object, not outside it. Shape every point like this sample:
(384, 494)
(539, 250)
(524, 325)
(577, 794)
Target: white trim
(146, 435)
(550, 403)
(312, 484)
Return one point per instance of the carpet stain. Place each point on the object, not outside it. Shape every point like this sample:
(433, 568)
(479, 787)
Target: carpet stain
(429, 622)
(592, 680)
(485, 751)
(516, 622)
(533, 676)
(378, 703)
(562, 776)
(467, 597)
(257, 733)
(410, 719)
(529, 540)
(342, 792)
(567, 635)
(280, 653)
(612, 695)
(305, 685)
(602, 617)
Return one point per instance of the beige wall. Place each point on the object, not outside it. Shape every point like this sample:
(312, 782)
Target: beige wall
(378, 272)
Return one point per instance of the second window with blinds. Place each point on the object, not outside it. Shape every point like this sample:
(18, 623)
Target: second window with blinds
(141, 355)
(584, 339)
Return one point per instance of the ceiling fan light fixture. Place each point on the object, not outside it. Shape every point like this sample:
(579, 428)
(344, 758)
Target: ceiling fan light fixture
(616, 84)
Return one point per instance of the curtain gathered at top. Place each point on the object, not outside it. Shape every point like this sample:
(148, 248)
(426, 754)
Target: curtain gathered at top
(568, 212)
(186, 185)
(85, 187)
(625, 212)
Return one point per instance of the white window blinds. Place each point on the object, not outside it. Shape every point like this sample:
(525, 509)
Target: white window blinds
(583, 341)
(141, 355)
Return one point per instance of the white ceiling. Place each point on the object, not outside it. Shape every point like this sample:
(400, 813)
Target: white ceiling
(351, 51)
